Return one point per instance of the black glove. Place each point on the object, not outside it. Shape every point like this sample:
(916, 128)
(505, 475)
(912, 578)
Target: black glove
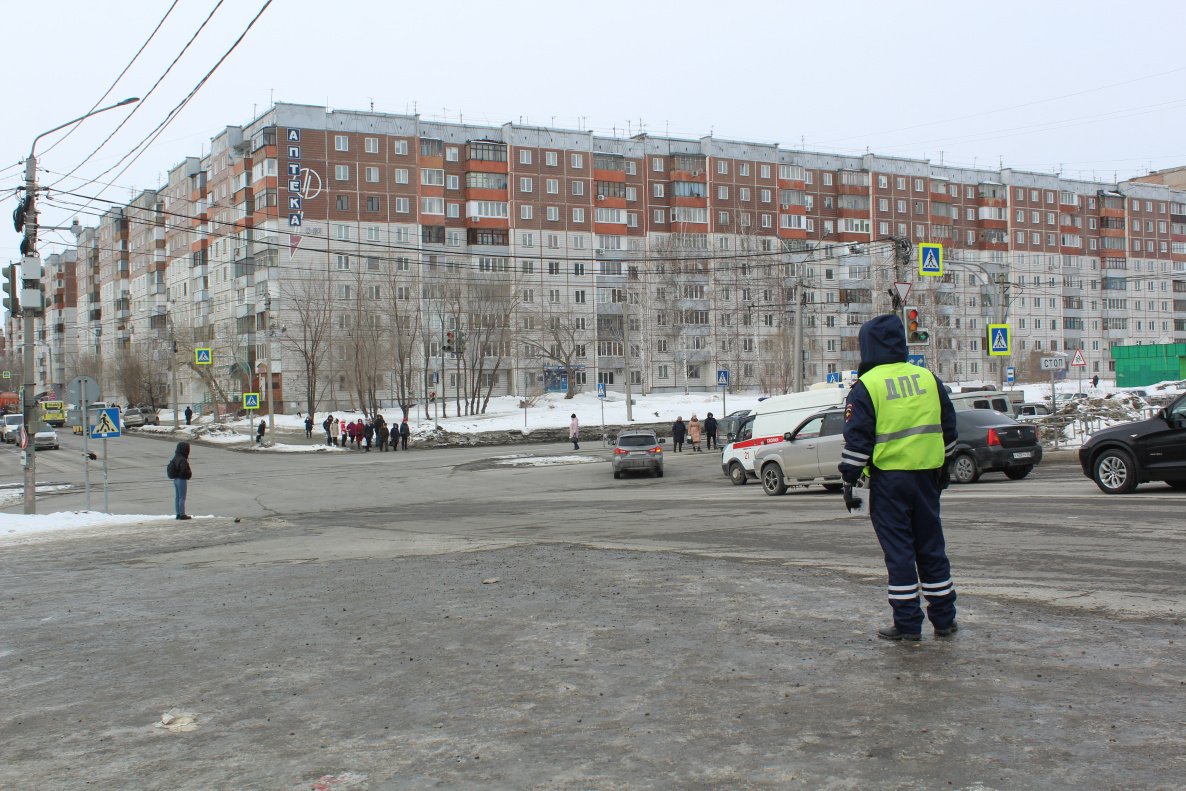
(943, 477)
(851, 502)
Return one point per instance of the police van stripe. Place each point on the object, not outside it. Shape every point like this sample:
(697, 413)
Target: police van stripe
(913, 431)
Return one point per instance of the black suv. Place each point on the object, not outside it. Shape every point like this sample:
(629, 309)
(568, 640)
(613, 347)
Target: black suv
(1120, 458)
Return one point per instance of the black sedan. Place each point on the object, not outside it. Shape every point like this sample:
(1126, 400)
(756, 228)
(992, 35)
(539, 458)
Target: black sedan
(993, 442)
(1122, 457)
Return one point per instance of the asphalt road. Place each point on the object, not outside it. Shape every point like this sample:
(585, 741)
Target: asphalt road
(643, 633)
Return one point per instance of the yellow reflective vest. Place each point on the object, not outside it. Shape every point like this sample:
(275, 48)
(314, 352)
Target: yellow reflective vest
(909, 433)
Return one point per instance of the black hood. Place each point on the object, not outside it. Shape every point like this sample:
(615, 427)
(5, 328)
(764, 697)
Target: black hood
(883, 340)
(183, 449)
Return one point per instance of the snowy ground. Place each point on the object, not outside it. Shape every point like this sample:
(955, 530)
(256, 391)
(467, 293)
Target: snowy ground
(545, 461)
(10, 496)
(19, 525)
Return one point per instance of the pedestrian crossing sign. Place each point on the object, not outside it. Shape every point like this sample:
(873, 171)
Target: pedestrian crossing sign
(251, 400)
(601, 389)
(106, 424)
(930, 259)
(722, 378)
(1000, 343)
(202, 357)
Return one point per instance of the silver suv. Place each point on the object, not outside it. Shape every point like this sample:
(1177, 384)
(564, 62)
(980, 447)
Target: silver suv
(638, 451)
(809, 454)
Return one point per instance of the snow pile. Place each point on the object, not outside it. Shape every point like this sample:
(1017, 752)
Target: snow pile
(281, 447)
(545, 461)
(16, 495)
(12, 525)
(1077, 418)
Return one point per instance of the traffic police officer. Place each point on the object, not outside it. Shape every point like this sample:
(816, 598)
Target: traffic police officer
(899, 426)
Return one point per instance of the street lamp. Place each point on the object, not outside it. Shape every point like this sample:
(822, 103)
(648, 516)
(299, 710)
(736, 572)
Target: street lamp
(30, 275)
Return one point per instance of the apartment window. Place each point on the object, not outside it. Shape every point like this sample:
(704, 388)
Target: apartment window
(883, 204)
(343, 232)
(743, 193)
(341, 143)
(631, 167)
(432, 205)
(551, 159)
(578, 188)
(553, 267)
(526, 211)
(578, 296)
(400, 147)
(370, 145)
(578, 269)
(660, 216)
(528, 239)
(401, 175)
(342, 202)
(524, 156)
(766, 195)
(373, 204)
(900, 182)
(453, 210)
(553, 295)
(631, 194)
(554, 214)
(401, 205)
(341, 172)
(901, 206)
(883, 228)
(577, 161)
(722, 193)
(578, 215)
(432, 177)
(657, 190)
(722, 167)
(343, 262)
(372, 175)
(525, 184)
(453, 238)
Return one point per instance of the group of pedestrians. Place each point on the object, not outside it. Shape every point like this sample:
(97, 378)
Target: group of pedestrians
(694, 432)
(363, 433)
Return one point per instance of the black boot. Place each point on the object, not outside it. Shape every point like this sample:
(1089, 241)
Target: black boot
(949, 631)
(892, 633)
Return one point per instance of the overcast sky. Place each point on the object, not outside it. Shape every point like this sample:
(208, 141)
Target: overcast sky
(1085, 87)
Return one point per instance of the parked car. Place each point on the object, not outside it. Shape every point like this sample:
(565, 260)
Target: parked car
(992, 442)
(45, 439)
(134, 418)
(808, 454)
(770, 421)
(12, 427)
(637, 451)
(983, 399)
(1030, 409)
(1120, 458)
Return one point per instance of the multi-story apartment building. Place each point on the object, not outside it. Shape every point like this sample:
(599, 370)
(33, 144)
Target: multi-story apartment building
(57, 327)
(345, 247)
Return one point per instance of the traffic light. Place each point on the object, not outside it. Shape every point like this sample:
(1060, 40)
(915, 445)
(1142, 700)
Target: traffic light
(12, 302)
(915, 334)
(448, 343)
(460, 342)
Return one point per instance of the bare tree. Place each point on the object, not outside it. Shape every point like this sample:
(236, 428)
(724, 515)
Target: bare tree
(140, 375)
(404, 335)
(490, 302)
(557, 335)
(308, 336)
(189, 340)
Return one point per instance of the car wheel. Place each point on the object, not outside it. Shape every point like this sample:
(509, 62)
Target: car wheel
(834, 487)
(1177, 484)
(772, 481)
(964, 469)
(659, 473)
(617, 475)
(1017, 473)
(1115, 472)
(737, 474)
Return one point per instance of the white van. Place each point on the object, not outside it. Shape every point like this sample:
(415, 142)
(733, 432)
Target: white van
(768, 422)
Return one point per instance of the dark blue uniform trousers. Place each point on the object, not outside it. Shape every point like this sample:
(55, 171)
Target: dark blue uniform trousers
(904, 507)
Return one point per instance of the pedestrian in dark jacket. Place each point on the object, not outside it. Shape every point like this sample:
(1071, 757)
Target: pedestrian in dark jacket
(179, 472)
(309, 425)
(381, 433)
(404, 432)
(259, 432)
(189, 415)
(368, 433)
(328, 425)
(710, 431)
(678, 430)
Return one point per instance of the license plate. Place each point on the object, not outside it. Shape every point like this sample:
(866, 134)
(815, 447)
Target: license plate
(1028, 454)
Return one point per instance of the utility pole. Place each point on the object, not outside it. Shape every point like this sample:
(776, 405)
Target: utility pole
(173, 368)
(800, 302)
(267, 362)
(31, 293)
(626, 349)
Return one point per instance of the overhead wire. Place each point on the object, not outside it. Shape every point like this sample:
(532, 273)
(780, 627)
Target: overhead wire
(110, 88)
(140, 104)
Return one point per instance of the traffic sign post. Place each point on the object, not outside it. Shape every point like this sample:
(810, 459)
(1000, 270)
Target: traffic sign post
(1053, 365)
(1010, 374)
(930, 259)
(8, 374)
(84, 390)
(1000, 340)
(723, 383)
(106, 425)
(1080, 363)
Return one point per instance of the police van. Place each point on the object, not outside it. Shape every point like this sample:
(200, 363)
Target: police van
(767, 423)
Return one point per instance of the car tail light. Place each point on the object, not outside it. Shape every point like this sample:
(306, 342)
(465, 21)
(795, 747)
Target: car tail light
(619, 450)
(993, 439)
(655, 450)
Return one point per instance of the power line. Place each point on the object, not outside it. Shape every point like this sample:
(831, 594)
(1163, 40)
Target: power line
(140, 104)
(70, 131)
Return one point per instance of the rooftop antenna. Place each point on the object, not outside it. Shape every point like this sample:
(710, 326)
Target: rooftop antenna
(629, 128)
(666, 128)
(1001, 165)
(553, 120)
(415, 108)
